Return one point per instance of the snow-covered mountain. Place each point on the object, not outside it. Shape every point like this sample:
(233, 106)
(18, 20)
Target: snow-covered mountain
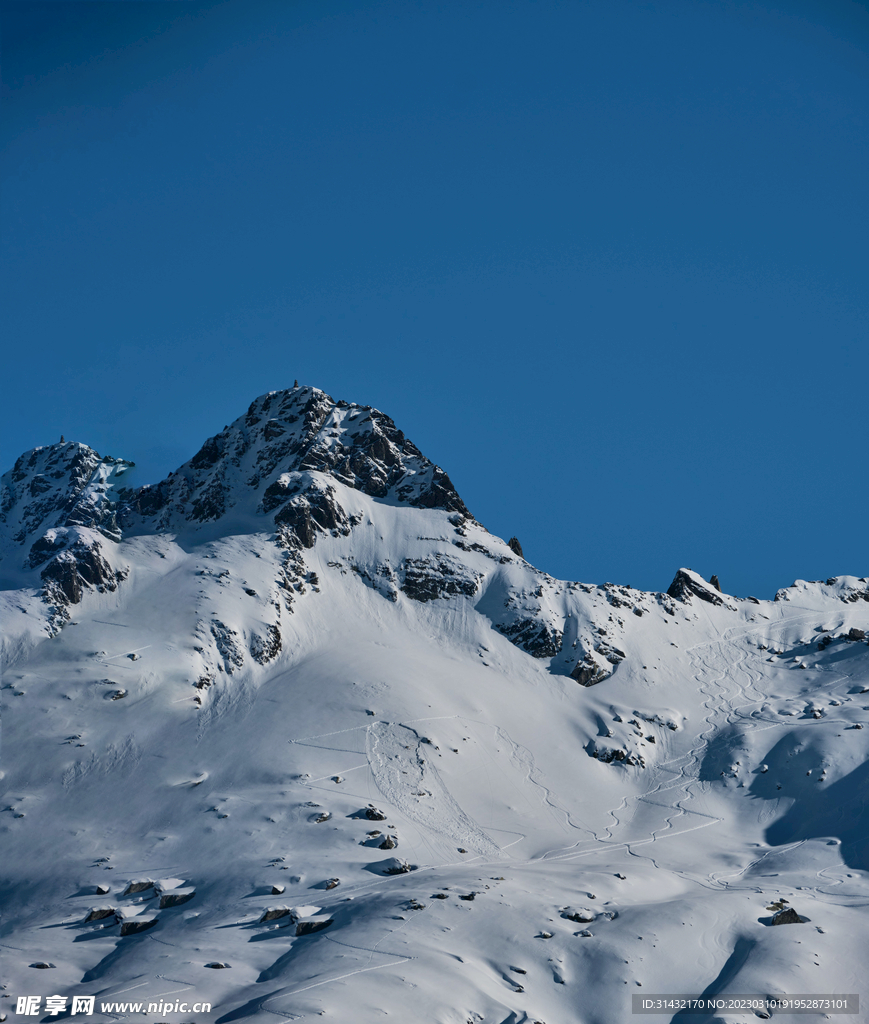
(548, 796)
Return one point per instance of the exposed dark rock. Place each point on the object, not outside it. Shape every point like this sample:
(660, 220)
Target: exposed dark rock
(610, 755)
(538, 638)
(313, 924)
(136, 925)
(42, 965)
(581, 915)
(394, 866)
(175, 899)
(138, 886)
(515, 546)
(56, 487)
(389, 843)
(687, 584)
(587, 672)
(46, 547)
(98, 913)
(373, 814)
(228, 645)
(216, 965)
(284, 438)
(316, 509)
(264, 649)
(81, 566)
(273, 913)
(856, 634)
(439, 576)
(787, 916)
(609, 651)
(713, 580)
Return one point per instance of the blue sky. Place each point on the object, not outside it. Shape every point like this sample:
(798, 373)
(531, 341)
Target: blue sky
(604, 261)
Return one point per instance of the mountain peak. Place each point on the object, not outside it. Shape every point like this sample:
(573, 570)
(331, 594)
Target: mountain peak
(258, 464)
(58, 486)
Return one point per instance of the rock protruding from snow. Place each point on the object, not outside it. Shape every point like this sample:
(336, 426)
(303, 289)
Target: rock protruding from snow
(787, 916)
(99, 913)
(138, 885)
(134, 925)
(82, 566)
(581, 915)
(396, 866)
(688, 584)
(588, 672)
(176, 898)
(309, 925)
(427, 579)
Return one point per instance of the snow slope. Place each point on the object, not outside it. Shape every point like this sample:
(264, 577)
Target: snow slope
(298, 688)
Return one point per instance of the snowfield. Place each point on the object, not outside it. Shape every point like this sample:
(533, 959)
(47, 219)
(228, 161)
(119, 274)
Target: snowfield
(292, 734)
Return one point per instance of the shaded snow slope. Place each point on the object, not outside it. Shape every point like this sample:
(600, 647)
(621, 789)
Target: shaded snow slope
(377, 763)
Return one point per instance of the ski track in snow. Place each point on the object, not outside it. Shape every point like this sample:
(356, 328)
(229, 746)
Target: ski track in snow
(720, 700)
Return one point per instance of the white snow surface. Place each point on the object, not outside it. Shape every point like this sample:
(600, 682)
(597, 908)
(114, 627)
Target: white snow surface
(645, 823)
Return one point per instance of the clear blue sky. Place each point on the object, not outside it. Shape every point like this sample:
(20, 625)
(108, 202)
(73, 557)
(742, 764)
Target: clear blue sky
(605, 261)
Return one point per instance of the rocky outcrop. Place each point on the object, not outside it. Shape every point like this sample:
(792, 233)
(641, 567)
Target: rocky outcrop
(135, 925)
(394, 866)
(428, 579)
(588, 672)
(228, 645)
(688, 584)
(309, 925)
(265, 648)
(81, 567)
(515, 546)
(274, 913)
(610, 755)
(536, 637)
(787, 916)
(581, 915)
(99, 914)
(138, 885)
(317, 509)
(176, 898)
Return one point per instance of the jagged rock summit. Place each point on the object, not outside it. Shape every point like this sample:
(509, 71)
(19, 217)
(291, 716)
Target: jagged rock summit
(272, 468)
(57, 506)
(276, 461)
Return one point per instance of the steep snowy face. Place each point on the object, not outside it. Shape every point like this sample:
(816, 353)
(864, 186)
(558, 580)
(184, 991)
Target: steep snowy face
(55, 499)
(276, 461)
